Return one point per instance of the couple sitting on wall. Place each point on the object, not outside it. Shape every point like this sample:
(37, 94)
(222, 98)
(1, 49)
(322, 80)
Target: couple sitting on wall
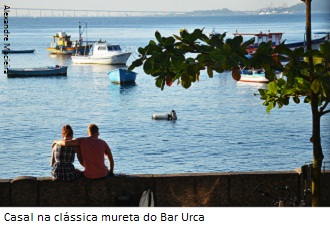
(90, 152)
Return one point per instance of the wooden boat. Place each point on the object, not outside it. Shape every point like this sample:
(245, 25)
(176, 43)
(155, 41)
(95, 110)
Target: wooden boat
(276, 37)
(62, 44)
(122, 76)
(103, 53)
(256, 76)
(17, 51)
(37, 71)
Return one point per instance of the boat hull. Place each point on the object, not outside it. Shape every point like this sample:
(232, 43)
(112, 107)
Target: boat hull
(17, 51)
(315, 44)
(116, 59)
(68, 50)
(122, 76)
(255, 76)
(254, 79)
(37, 72)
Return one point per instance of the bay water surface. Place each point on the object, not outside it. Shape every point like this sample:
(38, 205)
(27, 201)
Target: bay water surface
(222, 125)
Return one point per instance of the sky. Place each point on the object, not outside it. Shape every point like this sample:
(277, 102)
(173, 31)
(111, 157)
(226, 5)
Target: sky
(149, 5)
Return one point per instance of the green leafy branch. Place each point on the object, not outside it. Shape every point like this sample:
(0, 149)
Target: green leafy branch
(181, 59)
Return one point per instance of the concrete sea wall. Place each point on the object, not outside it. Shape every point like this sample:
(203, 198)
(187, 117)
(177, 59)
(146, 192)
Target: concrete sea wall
(170, 190)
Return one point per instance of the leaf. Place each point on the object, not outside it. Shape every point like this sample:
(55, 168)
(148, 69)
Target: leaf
(197, 77)
(168, 80)
(285, 101)
(296, 99)
(192, 69)
(272, 87)
(270, 107)
(209, 72)
(263, 93)
(177, 62)
(234, 43)
(281, 82)
(141, 51)
(158, 37)
(196, 34)
(169, 42)
(218, 55)
(236, 73)
(315, 86)
(248, 42)
(282, 49)
(147, 67)
(177, 37)
(185, 80)
(135, 63)
(160, 82)
(307, 99)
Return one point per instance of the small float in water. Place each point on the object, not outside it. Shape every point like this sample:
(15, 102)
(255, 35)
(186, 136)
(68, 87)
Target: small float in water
(170, 116)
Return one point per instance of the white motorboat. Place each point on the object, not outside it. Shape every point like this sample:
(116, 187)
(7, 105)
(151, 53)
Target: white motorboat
(103, 53)
(256, 76)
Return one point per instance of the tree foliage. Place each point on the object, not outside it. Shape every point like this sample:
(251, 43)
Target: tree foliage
(181, 59)
(301, 78)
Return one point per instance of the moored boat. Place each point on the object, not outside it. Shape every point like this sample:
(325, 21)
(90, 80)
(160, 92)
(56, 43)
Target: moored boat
(37, 71)
(122, 76)
(276, 39)
(255, 75)
(103, 53)
(17, 51)
(62, 44)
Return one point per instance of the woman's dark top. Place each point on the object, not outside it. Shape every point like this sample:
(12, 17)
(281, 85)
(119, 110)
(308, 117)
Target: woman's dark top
(63, 168)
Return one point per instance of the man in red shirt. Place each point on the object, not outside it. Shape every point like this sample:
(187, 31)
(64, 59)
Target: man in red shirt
(92, 151)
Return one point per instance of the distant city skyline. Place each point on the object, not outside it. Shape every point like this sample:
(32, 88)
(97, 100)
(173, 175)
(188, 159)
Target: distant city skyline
(151, 5)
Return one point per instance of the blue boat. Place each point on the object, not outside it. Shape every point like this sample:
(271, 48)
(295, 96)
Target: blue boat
(17, 51)
(122, 76)
(37, 72)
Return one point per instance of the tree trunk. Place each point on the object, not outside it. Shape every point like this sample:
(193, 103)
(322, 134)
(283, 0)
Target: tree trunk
(317, 153)
(316, 117)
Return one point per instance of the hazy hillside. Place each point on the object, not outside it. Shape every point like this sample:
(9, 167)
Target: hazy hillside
(317, 6)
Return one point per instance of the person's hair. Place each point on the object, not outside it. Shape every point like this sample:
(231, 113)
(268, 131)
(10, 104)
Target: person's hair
(92, 129)
(67, 130)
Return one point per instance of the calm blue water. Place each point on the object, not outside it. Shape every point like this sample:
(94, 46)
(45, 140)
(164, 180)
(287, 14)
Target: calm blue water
(221, 125)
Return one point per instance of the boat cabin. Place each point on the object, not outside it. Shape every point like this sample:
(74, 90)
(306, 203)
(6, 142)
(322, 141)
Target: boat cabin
(61, 39)
(274, 37)
(101, 47)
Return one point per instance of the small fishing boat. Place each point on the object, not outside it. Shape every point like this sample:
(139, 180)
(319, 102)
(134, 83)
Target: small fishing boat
(103, 53)
(255, 75)
(122, 76)
(62, 44)
(276, 39)
(17, 51)
(37, 71)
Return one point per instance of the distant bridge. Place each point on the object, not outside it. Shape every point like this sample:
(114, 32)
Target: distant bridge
(33, 12)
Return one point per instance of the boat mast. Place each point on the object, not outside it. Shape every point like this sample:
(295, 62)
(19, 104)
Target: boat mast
(81, 31)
